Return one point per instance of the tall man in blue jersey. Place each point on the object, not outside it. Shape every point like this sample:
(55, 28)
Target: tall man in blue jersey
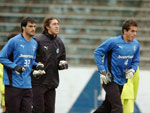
(18, 57)
(117, 59)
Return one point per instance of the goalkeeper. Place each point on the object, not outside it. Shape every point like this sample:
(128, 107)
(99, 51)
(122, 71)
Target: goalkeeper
(51, 52)
(18, 56)
(121, 56)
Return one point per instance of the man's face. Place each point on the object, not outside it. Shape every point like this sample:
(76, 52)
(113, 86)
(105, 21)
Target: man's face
(53, 27)
(29, 29)
(130, 34)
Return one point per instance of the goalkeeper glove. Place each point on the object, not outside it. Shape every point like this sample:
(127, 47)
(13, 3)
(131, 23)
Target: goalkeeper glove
(38, 73)
(63, 65)
(105, 77)
(40, 66)
(19, 69)
(129, 73)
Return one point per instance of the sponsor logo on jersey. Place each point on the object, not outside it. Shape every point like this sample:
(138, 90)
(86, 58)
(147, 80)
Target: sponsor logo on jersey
(125, 57)
(26, 56)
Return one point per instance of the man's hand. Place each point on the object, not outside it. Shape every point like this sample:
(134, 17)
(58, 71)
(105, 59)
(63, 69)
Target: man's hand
(38, 73)
(19, 69)
(105, 77)
(63, 65)
(129, 73)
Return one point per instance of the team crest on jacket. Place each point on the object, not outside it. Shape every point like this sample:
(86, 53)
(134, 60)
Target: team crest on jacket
(134, 48)
(57, 50)
(34, 48)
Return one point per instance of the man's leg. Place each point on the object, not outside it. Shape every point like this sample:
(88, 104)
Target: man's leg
(12, 99)
(26, 102)
(38, 99)
(113, 93)
(112, 103)
(105, 107)
(50, 101)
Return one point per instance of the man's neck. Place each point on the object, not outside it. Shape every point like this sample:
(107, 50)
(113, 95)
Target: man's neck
(124, 37)
(54, 35)
(26, 37)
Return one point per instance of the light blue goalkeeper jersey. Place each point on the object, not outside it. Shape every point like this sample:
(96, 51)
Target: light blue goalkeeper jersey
(125, 55)
(18, 51)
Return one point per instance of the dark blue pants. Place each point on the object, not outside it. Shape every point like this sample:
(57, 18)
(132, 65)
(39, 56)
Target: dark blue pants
(112, 102)
(43, 99)
(18, 100)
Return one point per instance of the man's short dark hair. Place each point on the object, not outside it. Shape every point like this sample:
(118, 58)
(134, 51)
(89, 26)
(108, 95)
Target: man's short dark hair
(25, 21)
(127, 24)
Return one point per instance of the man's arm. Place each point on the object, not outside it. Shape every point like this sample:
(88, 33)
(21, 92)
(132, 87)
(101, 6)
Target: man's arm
(100, 53)
(136, 59)
(62, 64)
(5, 53)
(134, 65)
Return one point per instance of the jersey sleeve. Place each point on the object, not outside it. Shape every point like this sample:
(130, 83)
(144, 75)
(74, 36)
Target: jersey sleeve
(35, 53)
(62, 56)
(101, 51)
(136, 59)
(5, 53)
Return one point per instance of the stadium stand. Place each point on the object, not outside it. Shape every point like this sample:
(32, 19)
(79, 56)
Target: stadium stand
(84, 23)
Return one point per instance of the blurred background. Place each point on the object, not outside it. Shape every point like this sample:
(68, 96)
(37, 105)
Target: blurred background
(85, 24)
